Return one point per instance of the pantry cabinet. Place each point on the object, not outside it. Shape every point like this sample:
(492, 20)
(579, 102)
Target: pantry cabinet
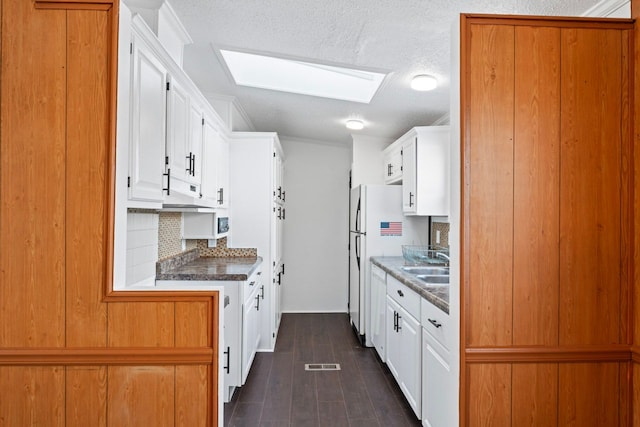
(147, 123)
(257, 220)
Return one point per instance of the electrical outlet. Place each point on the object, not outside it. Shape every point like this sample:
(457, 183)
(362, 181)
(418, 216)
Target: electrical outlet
(437, 236)
(211, 243)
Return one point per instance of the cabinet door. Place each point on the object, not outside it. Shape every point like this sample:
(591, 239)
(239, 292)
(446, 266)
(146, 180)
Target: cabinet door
(378, 309)
(436, 384)
(411, 367)
(393, 340)
(222, 175)
(393, 169)
(231, 364)
(409, 201)
(210, 140)
(178, 132)
(250, 332)
(196, 123)
(148, 115)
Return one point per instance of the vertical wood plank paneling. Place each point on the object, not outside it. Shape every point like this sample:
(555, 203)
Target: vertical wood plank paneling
(86, 396)
(588, 394)
(626, 190)
(590, 189)
(32, 168)
(490, 185)
(635, 398)
(31, 396)
(489, 395)
(141, 324)
(192, 395)
(192, 324)
(141, 396)
(87, 112)
(535, 395)
(536, 184)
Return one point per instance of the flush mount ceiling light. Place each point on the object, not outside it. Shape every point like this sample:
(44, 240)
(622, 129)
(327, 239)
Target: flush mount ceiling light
(423, 82)
(306, 78)
(355, 124)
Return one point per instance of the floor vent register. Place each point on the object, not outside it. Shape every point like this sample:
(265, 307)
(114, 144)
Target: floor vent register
(322, 367)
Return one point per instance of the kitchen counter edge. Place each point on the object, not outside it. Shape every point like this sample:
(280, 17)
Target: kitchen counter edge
(436, 295)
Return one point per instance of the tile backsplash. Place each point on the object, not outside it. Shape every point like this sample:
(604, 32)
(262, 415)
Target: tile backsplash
(443, 228)
(221, 250)
(170, 241)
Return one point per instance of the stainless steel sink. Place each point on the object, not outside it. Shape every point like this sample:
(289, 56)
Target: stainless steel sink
(429, 271)
(433, 280)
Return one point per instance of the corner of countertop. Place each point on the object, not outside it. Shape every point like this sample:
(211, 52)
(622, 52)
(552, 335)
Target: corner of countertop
(169, 263)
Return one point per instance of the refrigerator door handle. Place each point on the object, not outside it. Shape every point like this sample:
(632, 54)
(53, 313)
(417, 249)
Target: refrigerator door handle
(357, 244)
(357, 224)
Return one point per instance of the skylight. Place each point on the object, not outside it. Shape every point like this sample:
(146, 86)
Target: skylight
(267, 72)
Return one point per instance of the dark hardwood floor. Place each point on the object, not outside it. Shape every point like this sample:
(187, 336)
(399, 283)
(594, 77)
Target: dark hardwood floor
(279, 392)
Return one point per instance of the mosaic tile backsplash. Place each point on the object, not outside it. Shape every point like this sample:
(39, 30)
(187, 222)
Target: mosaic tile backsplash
(170, 241)
(443, 228)
(221, 250)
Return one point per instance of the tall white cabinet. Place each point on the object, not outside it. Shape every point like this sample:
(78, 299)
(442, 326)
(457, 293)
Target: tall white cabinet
(257, 214)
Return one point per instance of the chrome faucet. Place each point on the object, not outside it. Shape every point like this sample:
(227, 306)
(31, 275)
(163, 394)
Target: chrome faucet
(443, 256)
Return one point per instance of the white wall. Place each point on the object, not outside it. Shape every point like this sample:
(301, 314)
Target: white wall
(367, 165)
(315, 253)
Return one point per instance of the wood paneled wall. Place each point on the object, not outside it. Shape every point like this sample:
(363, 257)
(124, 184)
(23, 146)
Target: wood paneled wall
(71, 351)
(547, 221)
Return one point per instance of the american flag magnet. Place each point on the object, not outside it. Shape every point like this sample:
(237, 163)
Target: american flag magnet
(388, 228)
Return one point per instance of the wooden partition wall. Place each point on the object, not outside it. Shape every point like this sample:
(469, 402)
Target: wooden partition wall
(71, 351)
(548, 220)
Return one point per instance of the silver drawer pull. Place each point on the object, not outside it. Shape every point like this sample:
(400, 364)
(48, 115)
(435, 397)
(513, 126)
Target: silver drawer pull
(435, 323)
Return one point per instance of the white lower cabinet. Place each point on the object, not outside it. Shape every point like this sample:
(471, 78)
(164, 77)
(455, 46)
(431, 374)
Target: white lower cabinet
(439, 405)
(404, 350)
(250, 328)
(436, 388)
(241, 330)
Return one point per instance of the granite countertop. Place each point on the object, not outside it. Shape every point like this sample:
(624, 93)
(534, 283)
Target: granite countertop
(437, 295)
(190, 266)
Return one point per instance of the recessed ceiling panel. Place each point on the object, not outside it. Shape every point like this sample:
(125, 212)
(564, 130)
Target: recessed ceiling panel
(306, 78)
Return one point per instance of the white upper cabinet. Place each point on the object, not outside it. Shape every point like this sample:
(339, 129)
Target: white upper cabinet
(222, 173)
(196, 124)
(148, 115)
(392, 157)
(182, 149)
(211, 137)
(425, 171)
(176, 143)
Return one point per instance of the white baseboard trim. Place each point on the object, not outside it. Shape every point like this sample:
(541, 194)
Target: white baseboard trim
(314, 311)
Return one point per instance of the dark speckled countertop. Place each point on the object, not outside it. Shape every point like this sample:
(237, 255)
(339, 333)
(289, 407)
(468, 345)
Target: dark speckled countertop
(208, 268)
(437, 295)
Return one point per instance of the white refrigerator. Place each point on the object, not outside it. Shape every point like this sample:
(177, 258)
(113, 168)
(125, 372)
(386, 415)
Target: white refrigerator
(377, 227)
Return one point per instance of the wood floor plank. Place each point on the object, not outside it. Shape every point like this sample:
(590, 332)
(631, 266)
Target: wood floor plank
(279, 392)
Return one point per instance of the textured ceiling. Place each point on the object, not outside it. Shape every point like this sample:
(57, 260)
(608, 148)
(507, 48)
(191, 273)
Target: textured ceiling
(402, 38)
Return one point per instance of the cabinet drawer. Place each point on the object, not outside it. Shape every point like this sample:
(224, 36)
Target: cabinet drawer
(437, 323)
(252, 283)
(407, 298)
